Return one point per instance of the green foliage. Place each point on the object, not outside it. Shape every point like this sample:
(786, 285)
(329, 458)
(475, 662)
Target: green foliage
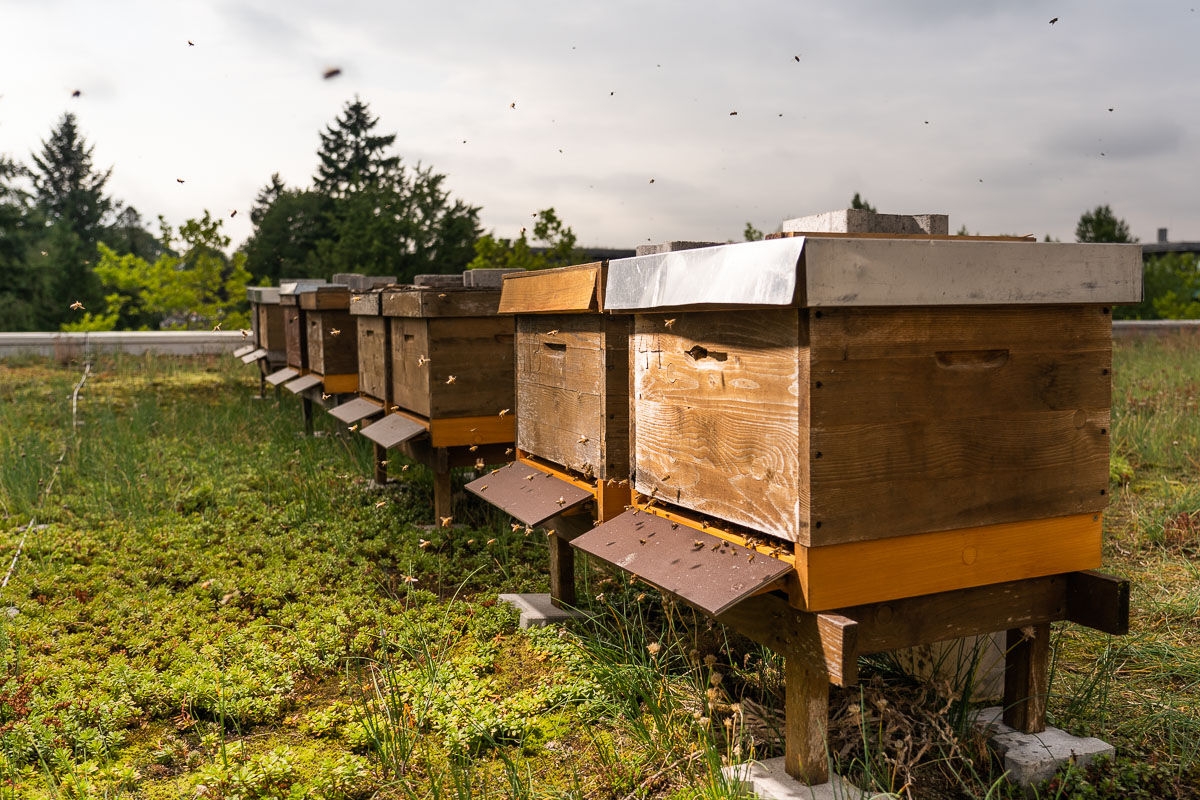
(858, 202)
(1170, 289)
(26, 281)
(753, 234)
(288, 224)
(556, 247)
(351, 156)
(1102, 225)
(194, 291)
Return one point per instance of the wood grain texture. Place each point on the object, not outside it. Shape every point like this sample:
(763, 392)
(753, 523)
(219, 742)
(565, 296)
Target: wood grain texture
(886, 569)
(270, 329)
(572, 398)
(905, 272)
(332, 298)
(936, 419)
(295, 333)
(720, 410)
(332, 342)
(1026, 677)
(566, 289)
(806, 721)
(453, 367)
(425, 302)
(468, 431)
(374, 357)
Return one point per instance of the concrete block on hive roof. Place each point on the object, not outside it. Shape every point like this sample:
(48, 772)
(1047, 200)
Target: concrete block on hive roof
(439, 281)
(486, 278)
(858, 220)
(670, 247)
(262, 294)
(357, 282)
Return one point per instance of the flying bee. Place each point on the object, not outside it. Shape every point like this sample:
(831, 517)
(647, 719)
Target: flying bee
(446, 521)
(473, 448)
(381, 504)
(422, 361)
(583, 440)
(508, 451)
(451, 379)
(410, 579)
(243, 332)
(491, 542)
(217, 327)
(561, 501)
(335, 332)
(77, 306)
(669, 323)
(503, 411)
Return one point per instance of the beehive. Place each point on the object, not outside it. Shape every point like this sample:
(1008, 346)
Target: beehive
(452, 362)
(572, 370)
(294, 326)
(374, 349)
(910, 415)
(331, 337)
(266, 317)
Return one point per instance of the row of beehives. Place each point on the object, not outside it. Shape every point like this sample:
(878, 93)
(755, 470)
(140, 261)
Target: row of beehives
(851, 418)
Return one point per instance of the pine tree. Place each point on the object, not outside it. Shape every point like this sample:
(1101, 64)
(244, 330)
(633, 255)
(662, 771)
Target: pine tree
(351, 157)
(25, 290)
(1102, 225)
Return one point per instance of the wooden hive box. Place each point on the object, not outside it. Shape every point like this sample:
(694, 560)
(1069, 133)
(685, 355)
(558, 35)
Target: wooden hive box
(452, 362)
(374, 350)
(294, 325)
(572, 370)
(331, 337)
(266, 319)
(907, 415)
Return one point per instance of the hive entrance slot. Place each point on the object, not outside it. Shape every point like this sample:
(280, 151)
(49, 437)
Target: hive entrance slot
(971, 359)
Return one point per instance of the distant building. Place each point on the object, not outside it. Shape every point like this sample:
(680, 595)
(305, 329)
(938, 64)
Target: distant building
(1164, 246)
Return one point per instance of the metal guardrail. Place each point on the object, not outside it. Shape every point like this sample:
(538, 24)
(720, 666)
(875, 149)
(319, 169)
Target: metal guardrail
(66, 346)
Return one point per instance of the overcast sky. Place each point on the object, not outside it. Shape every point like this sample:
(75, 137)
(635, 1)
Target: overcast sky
(624, 109)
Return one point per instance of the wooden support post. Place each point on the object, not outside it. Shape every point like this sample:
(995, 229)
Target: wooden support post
(442, 501)
(381, 459)
(1026, 667)
(562, 572)
(806, 723)
(306, 406)
(262, 378)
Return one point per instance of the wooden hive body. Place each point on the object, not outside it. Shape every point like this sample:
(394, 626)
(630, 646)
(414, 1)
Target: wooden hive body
(374, 379)
(572, 371)
(452, 359)
(331, 337)
(295, 331)
(266, 318)
(932, 407)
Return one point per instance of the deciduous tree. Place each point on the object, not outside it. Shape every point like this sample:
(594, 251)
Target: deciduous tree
(1102, 225)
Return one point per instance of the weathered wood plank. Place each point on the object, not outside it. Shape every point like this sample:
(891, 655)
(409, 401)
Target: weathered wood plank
(718, 402)
(332, 298)
(470, 366)
(373, 357)
(897, 272)
(295, 332)
(426, 302)
(410, 365)
(332, 342)
(576, 288)
(1098, 601)
(1026, 677)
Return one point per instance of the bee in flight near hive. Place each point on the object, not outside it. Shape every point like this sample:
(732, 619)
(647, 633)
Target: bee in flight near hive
(335, 332)
(451, 379)
(446, 521)
(77, 306)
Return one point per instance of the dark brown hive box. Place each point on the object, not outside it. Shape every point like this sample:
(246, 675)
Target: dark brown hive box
(294, 325)
(909, 415)
(374, 351)
(331, 337)
(452, 362)
(266, 318)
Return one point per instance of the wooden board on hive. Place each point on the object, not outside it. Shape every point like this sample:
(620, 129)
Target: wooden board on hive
(373, 356)
(452, 366)
(295, 336)
(332, 342)
(572, 375)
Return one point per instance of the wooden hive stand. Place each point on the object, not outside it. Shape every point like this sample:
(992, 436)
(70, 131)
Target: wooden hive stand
(572, 412)
(450, 372)
(851, 443)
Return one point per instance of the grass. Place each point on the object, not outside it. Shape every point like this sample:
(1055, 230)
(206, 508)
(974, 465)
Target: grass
(219, 607)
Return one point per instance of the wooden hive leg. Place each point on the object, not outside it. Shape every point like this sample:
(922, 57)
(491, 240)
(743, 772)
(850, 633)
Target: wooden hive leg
(806, 709)
(262, 379)
(306, 407)
(381, 459)
(442, 498)
(1026, 667)
(562, 572)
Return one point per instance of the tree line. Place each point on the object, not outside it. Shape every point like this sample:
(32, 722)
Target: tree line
(73, 257)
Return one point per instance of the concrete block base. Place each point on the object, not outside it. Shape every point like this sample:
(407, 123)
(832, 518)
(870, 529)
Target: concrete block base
(537, 610)
(1031, 758)
(769, 780)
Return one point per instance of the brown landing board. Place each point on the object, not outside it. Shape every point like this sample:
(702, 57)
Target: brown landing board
(356, 409)
(392, 430)
(282, 376)
(530, 495)
(254, 355)
(302, 384)
(711, 573)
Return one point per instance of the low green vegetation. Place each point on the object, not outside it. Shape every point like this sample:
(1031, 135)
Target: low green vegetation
(207, 604)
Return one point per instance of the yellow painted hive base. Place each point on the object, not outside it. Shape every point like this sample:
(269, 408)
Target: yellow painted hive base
(854, 573)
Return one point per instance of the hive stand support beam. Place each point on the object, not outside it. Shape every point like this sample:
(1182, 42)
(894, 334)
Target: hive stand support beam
(380, 464)
(562, 556)
(262, 378)
(443, 500)
(306, 406)
(806, 722)
(1026, 669)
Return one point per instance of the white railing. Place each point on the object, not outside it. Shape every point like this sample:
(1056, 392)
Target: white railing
(71, 345)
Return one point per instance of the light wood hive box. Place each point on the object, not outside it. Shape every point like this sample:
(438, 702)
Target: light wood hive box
(911, 414)
(452, 362)
(295, 332)
(266, 318)
(373, 354)
(572, 370)
(331, 337)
